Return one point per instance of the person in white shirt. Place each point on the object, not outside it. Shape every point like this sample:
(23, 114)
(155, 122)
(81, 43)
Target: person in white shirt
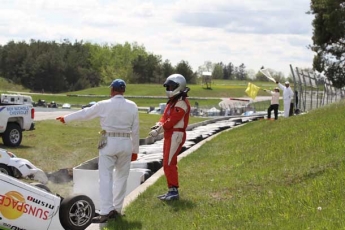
(287, 97)
(274, 103)
(118, 145)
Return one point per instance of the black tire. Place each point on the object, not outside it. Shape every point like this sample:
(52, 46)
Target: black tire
(13, 135)
(6, 170)
(41, 186)
(76, 212)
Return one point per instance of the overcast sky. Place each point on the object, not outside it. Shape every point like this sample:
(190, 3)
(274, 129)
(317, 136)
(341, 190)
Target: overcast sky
(270, 33)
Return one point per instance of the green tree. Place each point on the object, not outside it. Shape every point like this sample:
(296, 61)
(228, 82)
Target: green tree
(329, 39)
(167, 70)
(230, 70)
(217, 72)
(12, 58)
(241, 73)
(147, 68)
(1, 67)
(185, 69)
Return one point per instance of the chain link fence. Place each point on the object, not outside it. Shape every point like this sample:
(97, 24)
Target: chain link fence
(313, 90)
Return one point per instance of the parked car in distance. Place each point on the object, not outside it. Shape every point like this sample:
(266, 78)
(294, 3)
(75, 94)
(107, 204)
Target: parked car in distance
(89, 105)
(40, 103)
(52, 105)
(66, 106)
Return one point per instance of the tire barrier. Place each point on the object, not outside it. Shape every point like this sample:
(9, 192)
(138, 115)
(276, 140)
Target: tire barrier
(150, 156)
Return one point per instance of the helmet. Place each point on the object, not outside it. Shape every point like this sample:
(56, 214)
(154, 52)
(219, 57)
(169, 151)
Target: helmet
(118, 85)
(174, 84)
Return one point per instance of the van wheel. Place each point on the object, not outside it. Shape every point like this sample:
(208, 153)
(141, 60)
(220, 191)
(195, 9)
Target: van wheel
(76, 212)
(13, 135)
(6, 170)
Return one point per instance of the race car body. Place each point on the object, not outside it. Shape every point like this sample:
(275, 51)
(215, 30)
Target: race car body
(27, 207)
(11, 165)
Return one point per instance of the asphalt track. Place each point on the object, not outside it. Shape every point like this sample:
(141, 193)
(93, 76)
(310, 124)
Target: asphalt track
(52, 113)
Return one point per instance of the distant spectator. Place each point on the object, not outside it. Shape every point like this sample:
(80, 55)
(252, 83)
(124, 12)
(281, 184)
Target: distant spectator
(274, 103)
(287, 97)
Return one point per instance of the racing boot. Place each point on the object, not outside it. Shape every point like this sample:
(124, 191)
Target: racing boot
(171, 195)
(104, 218)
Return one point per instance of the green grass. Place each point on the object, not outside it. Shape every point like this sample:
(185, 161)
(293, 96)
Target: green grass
(264, 175)
(52, 145)
(6, 85)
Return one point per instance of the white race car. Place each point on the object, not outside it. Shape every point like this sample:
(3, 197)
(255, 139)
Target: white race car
(11, 165)
(27, 207)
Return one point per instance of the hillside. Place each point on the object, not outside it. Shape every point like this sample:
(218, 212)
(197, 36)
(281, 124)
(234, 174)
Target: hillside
(286, 174)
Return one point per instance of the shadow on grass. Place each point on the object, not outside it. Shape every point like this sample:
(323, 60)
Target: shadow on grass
(2, 146)
(120, 223)
(181, 204)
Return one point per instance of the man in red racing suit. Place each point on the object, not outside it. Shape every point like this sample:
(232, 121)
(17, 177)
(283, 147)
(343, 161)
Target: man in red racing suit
(173, 122)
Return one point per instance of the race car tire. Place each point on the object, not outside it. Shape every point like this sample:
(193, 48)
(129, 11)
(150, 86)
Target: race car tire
(41, 186)
(13, 135)
(6, 170)
(76, 212)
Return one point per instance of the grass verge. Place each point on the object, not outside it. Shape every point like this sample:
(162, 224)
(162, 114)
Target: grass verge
(285, 174)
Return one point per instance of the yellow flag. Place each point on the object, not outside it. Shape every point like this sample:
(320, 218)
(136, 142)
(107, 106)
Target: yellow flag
(252, 90)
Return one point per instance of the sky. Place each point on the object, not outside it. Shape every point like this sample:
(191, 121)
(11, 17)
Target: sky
(269, 33)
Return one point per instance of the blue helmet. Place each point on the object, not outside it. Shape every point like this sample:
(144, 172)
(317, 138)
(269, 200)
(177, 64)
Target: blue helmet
(118, 85)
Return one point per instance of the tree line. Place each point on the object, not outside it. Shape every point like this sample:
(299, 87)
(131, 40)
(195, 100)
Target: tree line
(61, 67)
(55, 67)
(329, 39)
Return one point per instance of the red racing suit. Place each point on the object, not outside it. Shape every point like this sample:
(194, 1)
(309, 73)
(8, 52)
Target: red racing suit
(174, 121)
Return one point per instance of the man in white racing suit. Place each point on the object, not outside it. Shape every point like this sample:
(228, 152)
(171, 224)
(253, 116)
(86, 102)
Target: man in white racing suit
(118, 145)
(173, 122)
(287, 97)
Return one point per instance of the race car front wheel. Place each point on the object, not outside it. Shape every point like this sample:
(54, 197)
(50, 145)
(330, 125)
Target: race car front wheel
(6, 170)
(76, 212)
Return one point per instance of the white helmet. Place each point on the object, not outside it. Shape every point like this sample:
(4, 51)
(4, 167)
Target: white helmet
(174, 84)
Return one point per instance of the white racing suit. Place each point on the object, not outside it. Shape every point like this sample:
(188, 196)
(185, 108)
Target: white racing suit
(119, 118)
(174, 122)
(287, 97)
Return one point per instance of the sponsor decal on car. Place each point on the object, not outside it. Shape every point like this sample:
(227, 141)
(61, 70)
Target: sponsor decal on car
(12, 227)
(13, 205)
